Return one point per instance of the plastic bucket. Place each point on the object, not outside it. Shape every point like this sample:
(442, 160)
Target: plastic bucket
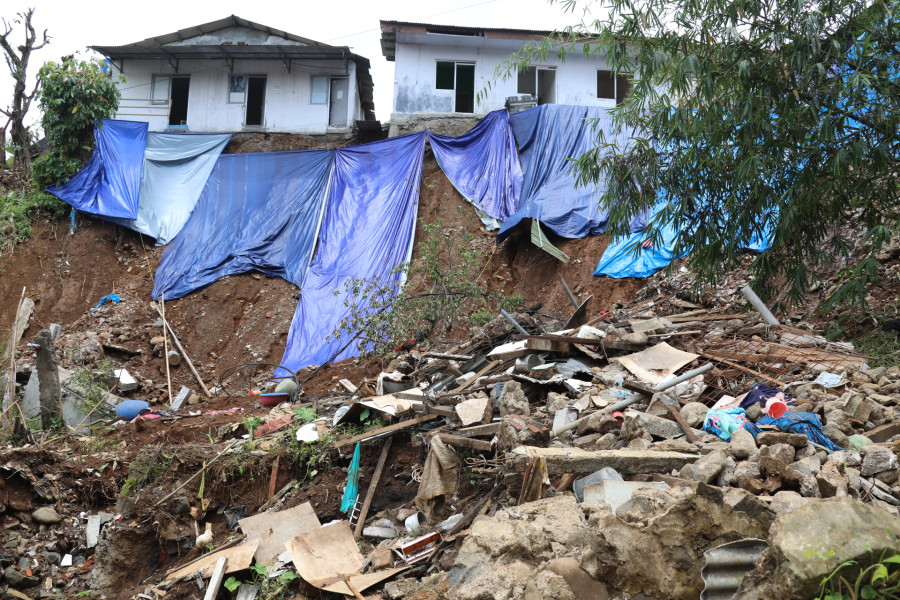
(775, 407)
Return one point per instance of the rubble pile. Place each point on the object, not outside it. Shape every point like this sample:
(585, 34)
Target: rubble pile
(603, 457)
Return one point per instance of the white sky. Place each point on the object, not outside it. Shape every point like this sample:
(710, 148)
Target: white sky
(355, 23)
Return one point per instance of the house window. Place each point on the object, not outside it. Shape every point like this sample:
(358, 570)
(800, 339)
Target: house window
(459, 77)
(612, 87)
(172, 90)
(527, 81)
(159, 89)
(318, 90)
(538, 81)
(237, 89)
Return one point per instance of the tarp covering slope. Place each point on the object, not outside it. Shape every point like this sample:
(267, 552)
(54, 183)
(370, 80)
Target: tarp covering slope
(548, 136)
(482, 164)
(619, 259)
(176, 167)
(367, 230)
(109, 184)
(257, 211)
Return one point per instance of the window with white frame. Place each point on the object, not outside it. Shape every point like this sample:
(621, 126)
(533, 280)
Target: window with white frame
(612, 87)
(318, 93)
(459, 77)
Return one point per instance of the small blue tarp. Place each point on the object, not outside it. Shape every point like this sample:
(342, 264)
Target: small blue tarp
(367, 231)
(548, 136)
(109, 184)
(176, 167)
(619, 259)
(258, 211)
(482, 164)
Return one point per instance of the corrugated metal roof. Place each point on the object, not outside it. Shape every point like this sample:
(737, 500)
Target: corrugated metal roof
(543, 32)
(212, 26)
(389, 33)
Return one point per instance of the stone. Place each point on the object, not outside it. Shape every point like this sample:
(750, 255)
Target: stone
(655, 325)
(382, 559)
(834, 433)
(616, 493)
(876, 459)
(556, 402)
(785, 501)
(694, 413)
(89, 349)
(52, 557)
(840, 420)
(46, 515)
(753, 412)
(156, 340)
(638, 339)
(831, 481)
(676, 446)
(742, 444)
(13, 577)
(780, 452)
(726, 476)
(849, 458)
(513, 400)
(808, 543)
(746, 469)
(638, 422)
(708, 467)
(770, 438)
(890, 477)
(401, 588)
(472, 411)
(581, 584)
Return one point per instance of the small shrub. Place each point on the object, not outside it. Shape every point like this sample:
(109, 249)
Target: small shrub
(18, 210)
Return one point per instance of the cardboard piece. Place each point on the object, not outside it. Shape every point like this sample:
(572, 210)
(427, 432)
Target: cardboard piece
(657, 362)
(273, 529)
(387, 404)
(239, 557)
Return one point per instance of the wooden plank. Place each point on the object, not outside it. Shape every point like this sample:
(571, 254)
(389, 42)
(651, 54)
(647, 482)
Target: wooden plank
(273, 529)
(464, 442)
(381, 431)
(682, 319)
(215, 582)
(348, 385)
(479, 430)
(546, 345)
(449, 356)
(239, 557)
(480, 373)
(376, 476)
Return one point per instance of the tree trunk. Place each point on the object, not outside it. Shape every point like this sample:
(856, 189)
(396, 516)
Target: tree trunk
(48, 378)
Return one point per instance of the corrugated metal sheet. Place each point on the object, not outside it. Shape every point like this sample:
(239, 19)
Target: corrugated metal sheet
(726, 566)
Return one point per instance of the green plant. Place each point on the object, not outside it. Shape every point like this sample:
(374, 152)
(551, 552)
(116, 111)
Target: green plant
(269, 588)
(251, 423)
(75, 95)
(854, 581)
(426, 298)
(740, 117)
(94, 384)
(18, 210)
(148, 466)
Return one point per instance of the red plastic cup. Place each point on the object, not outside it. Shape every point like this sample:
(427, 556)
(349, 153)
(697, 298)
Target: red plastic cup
(775, 407)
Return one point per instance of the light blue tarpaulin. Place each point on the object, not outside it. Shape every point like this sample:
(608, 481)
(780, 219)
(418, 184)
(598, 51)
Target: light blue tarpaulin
(619, 259)
(367, 231)
(351, 491)
(548, 136)
(258, 211)
(176, 167)
(109, 184)
(482, 164)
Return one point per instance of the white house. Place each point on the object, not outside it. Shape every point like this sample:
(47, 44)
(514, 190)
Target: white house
(235, 75)
(442, 69)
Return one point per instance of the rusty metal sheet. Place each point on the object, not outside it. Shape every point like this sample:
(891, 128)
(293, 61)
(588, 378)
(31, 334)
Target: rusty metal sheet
(726, 566)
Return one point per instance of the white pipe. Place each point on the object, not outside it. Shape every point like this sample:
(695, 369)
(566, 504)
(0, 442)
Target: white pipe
(758, 304)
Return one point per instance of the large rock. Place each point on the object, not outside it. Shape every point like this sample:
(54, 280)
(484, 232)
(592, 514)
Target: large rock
(694, 413)
(810, 542)
(742, 444)
(708, 467)
(639, 422)
(46, 515)
(877, 459)
(769, 438)
(781, 452)
(841, 420)
(513, 400)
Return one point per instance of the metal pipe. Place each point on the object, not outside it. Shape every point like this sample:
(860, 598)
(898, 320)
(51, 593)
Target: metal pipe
(758, 304)
(514, 322)
(568, 292)
(635, 397)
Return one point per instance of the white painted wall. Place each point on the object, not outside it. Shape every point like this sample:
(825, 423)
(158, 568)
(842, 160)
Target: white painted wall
(414, 75)
(287, 97)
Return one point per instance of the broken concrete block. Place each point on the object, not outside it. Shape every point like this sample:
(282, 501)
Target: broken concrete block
(650, 325)
(604, 474)
(876, 459)
(472, 411)
(556, 402)
(124, 380)
(831, 481)
(564, 416)
(639, 422)
(582, 462)
(183, 394)
(708, 467)
(694, 413)
(742, 444)
(770, 438)
(841, 420)
(785, 501)
(616, 493)
(512, 400)
(780, 452)
(174, 358)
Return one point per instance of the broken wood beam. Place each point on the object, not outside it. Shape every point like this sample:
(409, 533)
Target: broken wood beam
(187, 358)
(487, 368)
(447, 356)
(582, 462)
(465, 442)
(479, 430)
(215, 582)
(383, 431)
(549, 345)
(373, 485)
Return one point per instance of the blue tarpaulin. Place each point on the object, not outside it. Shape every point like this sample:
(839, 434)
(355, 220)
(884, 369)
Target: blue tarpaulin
(176, 167)
(548, 136)
(109, 184)
(482, 164)
(367, 231)
(619, 259)
(257, 211)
